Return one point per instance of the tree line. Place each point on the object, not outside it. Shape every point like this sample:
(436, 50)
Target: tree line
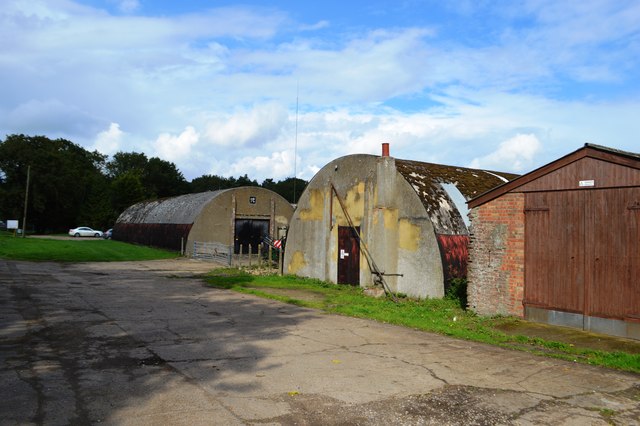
(71, 186)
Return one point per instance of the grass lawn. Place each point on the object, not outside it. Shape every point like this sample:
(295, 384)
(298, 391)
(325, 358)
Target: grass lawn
(76, 250)
(442, 316)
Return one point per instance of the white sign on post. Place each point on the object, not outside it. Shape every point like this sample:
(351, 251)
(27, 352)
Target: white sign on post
(12, 224)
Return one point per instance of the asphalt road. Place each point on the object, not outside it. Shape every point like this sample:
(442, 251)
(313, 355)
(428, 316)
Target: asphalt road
(147, 343)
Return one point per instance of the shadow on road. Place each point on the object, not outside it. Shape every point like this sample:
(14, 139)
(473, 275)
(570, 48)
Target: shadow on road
(82, 343)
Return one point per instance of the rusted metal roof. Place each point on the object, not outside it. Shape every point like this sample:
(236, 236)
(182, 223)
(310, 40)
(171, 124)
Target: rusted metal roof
(183, 209)
(430, 183)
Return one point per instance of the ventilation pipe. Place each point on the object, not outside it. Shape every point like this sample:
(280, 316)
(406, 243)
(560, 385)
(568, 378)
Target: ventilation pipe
(385, 149)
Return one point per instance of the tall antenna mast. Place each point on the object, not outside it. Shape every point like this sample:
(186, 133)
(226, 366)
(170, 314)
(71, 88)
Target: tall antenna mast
(295, 150)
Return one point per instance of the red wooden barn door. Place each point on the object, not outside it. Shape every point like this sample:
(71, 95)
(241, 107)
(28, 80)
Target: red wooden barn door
(348, 255)
(555, 251)
(582, 252)
(613, 246)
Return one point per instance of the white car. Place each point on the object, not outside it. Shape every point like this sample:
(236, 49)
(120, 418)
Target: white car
(84, 231)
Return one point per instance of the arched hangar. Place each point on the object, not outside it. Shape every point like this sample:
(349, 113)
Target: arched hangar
(362, 215)
(232, 218)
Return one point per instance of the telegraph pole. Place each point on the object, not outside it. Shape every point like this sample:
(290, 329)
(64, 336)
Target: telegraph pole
(26, 200)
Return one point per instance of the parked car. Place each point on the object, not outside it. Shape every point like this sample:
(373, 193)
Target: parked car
(107, 234)
(84, 231)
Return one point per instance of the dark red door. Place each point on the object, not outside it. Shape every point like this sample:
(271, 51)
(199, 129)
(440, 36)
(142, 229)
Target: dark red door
(348, 256)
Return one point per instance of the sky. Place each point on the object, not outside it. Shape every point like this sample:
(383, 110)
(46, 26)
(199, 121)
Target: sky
(279, 88)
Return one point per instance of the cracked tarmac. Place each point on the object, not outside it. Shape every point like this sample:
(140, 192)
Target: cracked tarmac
(136, 343)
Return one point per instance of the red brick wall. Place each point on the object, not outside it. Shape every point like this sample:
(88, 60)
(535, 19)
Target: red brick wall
(496, 257)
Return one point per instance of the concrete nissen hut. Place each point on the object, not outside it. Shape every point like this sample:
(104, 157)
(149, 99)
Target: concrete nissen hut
(406, 217)
(229, 218)
(561, 244)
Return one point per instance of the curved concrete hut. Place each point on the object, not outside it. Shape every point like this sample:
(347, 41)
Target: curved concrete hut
(228, 219)
(363, 214)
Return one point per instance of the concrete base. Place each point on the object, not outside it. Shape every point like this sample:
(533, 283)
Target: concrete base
(611, 327)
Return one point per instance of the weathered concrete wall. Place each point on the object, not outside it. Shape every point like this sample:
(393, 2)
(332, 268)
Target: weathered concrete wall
(216, 221)
(393, 223)
(496, 257)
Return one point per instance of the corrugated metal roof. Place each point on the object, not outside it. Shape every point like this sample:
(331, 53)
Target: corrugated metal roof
(182, 209)
(428, 179)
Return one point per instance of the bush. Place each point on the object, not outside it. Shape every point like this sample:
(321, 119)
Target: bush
(457, 290)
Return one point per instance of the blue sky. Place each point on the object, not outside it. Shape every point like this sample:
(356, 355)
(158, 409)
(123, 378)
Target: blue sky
(212, 86)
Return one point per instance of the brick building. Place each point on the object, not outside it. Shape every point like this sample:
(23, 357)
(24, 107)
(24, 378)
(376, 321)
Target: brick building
(561, 244)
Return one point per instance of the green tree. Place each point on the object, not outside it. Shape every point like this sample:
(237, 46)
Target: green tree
(63, 176)
(289, 188)
(159, 178)
(214, 183)
(126, 162)
(209, 183)
(126, 190)
(98, 208)
(163, 179)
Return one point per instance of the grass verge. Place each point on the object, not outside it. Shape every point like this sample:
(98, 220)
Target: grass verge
(442, 316)
(77, 250)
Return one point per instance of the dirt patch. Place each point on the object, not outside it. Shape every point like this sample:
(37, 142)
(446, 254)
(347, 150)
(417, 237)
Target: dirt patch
(578, 338)
(450, 405)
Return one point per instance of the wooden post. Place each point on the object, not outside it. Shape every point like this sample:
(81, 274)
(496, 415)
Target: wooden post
(26, 201)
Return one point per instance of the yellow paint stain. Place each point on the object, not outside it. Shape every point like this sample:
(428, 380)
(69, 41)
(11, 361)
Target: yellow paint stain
(390, 219)
(354, 203)
(316, 206)
(297, 263)
(408, 235)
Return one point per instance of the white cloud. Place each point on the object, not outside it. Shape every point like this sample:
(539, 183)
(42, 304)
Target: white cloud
(314, 27)
(50, 117)
(255, 127)
(176, 148)
(278, 166)
(220, 85)
(516, 154)
(128, 6)
(109, 141)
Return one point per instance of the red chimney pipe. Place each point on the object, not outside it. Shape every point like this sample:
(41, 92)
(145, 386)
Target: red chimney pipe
(385, 149)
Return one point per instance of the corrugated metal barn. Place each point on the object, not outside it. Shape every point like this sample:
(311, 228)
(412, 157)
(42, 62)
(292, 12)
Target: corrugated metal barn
(561, 244)
(229, 218)
(363, 214)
